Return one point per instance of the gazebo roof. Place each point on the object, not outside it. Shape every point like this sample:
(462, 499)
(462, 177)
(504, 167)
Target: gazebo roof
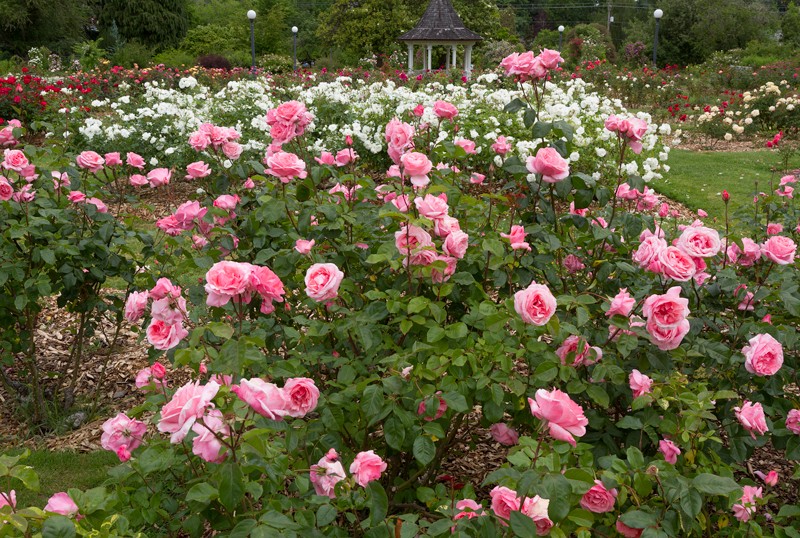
(440, 23)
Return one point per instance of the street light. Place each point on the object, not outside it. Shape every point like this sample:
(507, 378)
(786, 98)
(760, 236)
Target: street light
(294, 46)
(560, 36)
(252, 16)
(657, 14)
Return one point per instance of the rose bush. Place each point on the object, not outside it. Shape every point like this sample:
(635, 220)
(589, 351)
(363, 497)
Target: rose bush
(335, 382)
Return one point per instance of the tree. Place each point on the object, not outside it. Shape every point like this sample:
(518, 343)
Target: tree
(31, 23)
(790, 25)
(157, 23)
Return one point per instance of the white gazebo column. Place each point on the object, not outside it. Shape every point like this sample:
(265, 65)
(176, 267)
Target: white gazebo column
(455, 55)
(430, 53)
(447, 62)
(468, 61)
(410, 58)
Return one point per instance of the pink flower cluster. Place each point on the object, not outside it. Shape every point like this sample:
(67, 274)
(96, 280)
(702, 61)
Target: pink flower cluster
(631, 130)
(506, 500)
(563, 417)
(745, 508)
(7, 134)
(579, 351)
(645, 200)
(167, 313)
(529, 67)
(288, 121)
(77, 197)
(666, 318)
(682, 261)
(236, 281)
(328, 471)
(218, 139)
(151, 375)
(297, 398)
(192, 408)
(14, 160)
(400, 139)
(188, 216)
(122, 435)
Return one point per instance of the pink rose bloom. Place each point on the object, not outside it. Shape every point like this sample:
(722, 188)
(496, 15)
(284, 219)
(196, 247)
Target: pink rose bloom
(676, 264)
(598, 499)
(6, 190)
(326, 473)
(286, 166)
(232, 150)
(61, 503)
(573, 264)
(399, 137)
(322, 281)
(366, 467)
(535, 304)
(76, 197)
(301, 395)
(770, 479)
(549, 164)
(699, 242)
(667, 339)
(412, 238)
(613, 123)
(751, 254)
(419, 110)
(159, 177)
(667, 310)
(445, 226)
(468, 508)
(536, 509)
(467, 145)
(26, 194)
(670, 451)
(199, 140)
(793, 421)
(445, 110)
(196, 170)
(326, 158)
(170, 311)
(91, 161)
(640, 384)
(439, 276)
(504, 501)
(550, 58)
(628, 532)
(431, 207)
(122, 431)
(517, 238)
(345, 157)
(440, 411)
(17, 161)
(649, 251)
(227, 201)
(226, 280)
(266, 399)
(476, 178)
(751, 416)
(774, 228)
(456, 244)
(576, 347)
(416, 166)
(779, 249)
(189, 212)
(170, 225)
(150, 375)
(98, 203)
(621, 304)
(501, 146)
(747, 507)
(503, 434)
(8, 499)
(303, 246)
(266, 283)
(763, 355)
(164, 336)
(402, 203)
(187, 405)
(625, 192)
(134, 160)
(113, 159)
(138, 180)
(165, 288)
(207, 445)
(563, 416)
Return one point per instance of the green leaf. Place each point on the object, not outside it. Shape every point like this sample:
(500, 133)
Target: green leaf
(598, 394)
(202, 493)
(638, 519)
(515, 106)
(435, 334)
(635, 457)
(58, 527)
(714, 485)
(789, 510)
(541, 129)
(231, 486)
(378, 502)
(522, 525)
(27, 476)
(326, 514)
(417, 305)
(394, 432)
(691, 502)
(582, 518)
(424, 449)
(457, 331)
(372, 400)
(220, 330)
(244, 529)
(630, 422)
(456, 402)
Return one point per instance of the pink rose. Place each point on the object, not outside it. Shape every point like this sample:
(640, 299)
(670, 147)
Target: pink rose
(232, 150)
(445, 110)
(17, 161)
(135, 305)
(401, 203)
(751, 416)
(134, 160)
(456, 244)
(770, 479)
(366, 467)
(445, 226)
(504, 501)
(550, 58)
(6, 190)
(563, 416)
(667, 310)
(621, 304)
(226, 280)
(468, 508)
(89, 160)
(187, 405)
(113, 159)
(667, 339)
(747, 507)
(61, 503)
(164, 336)
(138, 180)
(467, 145)
(677, 264)
(536, 509)
(399, 137)
(301, 396)
(412, 238)
(266, 399)
(207, 444)
(628, 532)
(573, 264)
(440, 411)
(779, 249)
(326, 473)
(503, 434)
(431, 207)
(165, 288)
(517, 238)
(199, 140)
(793, 421)
(159, 177)
(76, 197)
(549, 164)
(418, 111)
(326, 158)
(580, 351)
(98, 203)
(535, 304)
(640, 384)
(649, 251)
(227, 201)
(416, 166)
(122, 431)
(170, 311)
(304, 246)
(763, 355)
(345, 157)
(599, 499)
(699, 242)
(751, 254)
(670, 451)
(476, 178)
(286, 166)
(501, 146)
(8, 499)
(145, 378)
(774, 228)
(197, 170)
(188, 213)
(322, 281)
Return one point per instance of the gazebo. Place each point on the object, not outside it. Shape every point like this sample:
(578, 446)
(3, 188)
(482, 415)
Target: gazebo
(441, 26)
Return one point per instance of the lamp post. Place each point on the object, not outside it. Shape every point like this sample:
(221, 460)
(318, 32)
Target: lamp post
(657, 14)
(252, 16)
(560, 36)
(294, 46)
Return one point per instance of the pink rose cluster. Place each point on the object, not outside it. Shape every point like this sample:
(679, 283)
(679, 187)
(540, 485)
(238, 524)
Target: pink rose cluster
(516, 237)
(77, 197)
(342, 158)
(288, 121)
(236, 281)
(685, 259)
(631, 130)
(297, 397)
(563, 417)
(579, 351)
(219, 139)
(188, 216)
(151, 376)
(746, 508)
(7, 134)
(527, 66)
(329, 471)
(506, 500)
(645, 200)
(167, 313)
(14, 160)
(666, 318)
(399, 138)
(122, 435)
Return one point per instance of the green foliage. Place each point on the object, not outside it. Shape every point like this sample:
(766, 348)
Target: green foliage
(588, 42)
(29, 23)
(156, 23)
(213, 39)
(174, 58)
(89, 53)
(132, 53)
(790, 25)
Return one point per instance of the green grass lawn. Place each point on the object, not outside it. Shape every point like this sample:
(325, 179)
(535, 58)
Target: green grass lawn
(697, 178)
(59, 471)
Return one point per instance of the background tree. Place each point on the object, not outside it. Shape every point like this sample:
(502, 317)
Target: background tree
(31, 23)
(157, 23)
(790, 25)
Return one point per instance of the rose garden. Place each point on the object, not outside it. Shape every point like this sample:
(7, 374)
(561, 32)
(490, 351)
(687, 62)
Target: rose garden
(373, 304)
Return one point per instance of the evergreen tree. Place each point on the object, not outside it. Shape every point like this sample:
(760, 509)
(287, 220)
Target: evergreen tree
(56, 24)
(157, 23)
